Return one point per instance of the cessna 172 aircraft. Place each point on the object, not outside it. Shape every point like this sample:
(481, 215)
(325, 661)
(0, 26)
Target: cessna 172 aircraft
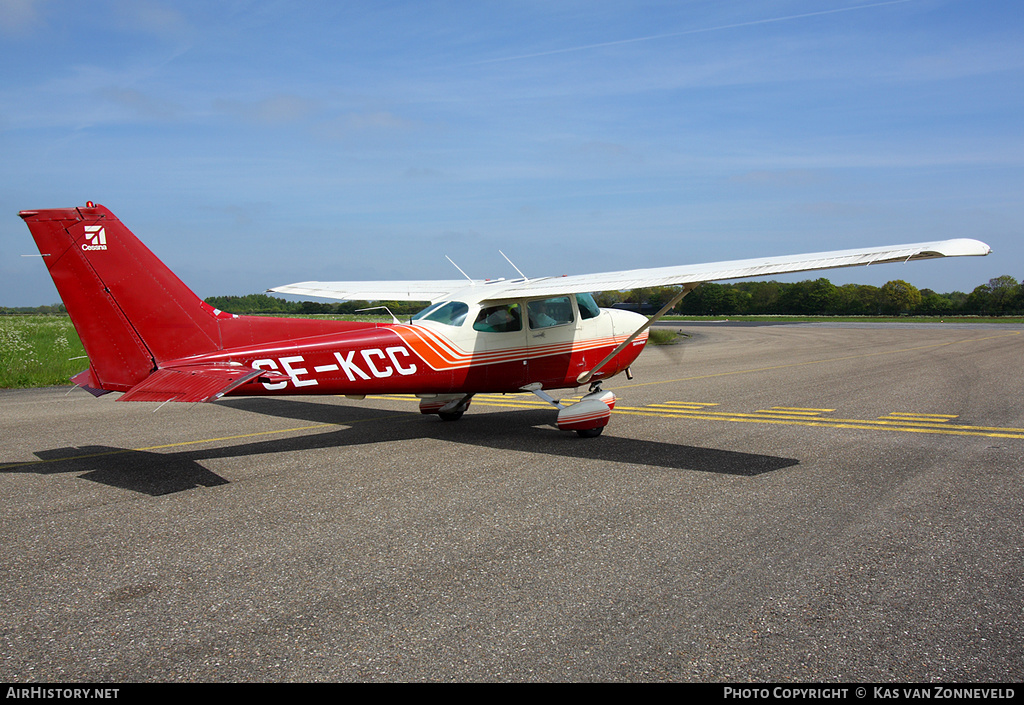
(148, 336)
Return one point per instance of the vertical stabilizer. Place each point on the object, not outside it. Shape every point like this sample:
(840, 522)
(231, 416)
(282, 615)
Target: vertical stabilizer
(129, 309)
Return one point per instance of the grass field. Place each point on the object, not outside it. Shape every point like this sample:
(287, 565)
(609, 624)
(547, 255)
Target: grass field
(39, 351)
(662, 336)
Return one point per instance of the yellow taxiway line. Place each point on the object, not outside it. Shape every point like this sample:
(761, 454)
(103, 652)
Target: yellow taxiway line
(909, 422)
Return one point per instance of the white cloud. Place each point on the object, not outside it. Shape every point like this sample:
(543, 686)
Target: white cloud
(150, 17)
(18, 16)
(279, 109)
(139, 104)
(360, 125)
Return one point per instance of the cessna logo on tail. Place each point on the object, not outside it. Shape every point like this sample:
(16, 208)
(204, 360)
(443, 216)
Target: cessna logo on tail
(96, 238)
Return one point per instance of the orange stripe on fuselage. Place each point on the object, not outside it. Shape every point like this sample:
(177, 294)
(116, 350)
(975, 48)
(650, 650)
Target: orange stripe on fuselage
(440, 353)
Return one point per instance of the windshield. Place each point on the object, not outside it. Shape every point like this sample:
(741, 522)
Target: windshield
(450, 313)
(588, 307)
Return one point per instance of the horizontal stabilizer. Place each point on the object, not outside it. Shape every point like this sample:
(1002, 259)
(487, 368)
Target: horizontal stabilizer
(193, 383)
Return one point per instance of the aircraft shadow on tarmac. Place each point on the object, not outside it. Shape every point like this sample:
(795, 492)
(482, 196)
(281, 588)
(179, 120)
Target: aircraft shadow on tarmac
(137, 470)
(526, 430)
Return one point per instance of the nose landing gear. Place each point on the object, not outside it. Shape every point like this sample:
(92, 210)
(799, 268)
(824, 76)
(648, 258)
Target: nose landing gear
(588, 416)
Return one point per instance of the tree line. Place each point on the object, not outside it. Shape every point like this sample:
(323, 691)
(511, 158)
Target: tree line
(22, 310)
(261, 303)
(1002, 296)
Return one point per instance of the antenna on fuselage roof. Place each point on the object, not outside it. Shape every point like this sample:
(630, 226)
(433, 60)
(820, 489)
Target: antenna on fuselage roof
(525, 278)
(471, 282)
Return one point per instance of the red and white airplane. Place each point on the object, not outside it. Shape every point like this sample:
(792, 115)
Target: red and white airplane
(148, 336)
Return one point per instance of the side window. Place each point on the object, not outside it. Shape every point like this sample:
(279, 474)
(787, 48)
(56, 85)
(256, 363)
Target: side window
(545, 313)
(452, 313)
(506, 318)
(588, 307)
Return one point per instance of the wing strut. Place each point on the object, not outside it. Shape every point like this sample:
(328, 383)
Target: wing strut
(585, 377)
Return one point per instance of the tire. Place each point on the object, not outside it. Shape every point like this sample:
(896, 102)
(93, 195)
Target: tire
(590, 432)
(451, 415)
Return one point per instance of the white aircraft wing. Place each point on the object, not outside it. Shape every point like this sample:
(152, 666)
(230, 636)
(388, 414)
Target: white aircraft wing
(378, 291)
(494, 290)
(740, 269)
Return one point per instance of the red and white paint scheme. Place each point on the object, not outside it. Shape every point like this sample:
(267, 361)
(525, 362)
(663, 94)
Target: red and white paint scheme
(148, 336)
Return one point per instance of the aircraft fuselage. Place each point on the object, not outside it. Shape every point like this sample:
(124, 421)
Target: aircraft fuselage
(425, 358)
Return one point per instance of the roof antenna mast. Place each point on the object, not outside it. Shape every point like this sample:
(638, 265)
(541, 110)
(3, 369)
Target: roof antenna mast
(525, 278)
(471, 282)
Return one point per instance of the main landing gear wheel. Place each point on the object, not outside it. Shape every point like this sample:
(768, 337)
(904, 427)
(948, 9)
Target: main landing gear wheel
(449, 407)
(589, 432)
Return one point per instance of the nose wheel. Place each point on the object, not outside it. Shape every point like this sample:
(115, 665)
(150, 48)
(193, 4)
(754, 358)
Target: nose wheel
(595, 389)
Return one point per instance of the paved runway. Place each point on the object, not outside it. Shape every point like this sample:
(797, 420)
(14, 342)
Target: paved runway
(776, 503)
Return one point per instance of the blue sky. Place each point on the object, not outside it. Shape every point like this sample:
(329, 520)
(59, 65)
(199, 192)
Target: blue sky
(252, 144)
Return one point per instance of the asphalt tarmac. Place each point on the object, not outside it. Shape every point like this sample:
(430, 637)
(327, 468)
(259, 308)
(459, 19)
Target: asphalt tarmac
(769, 503)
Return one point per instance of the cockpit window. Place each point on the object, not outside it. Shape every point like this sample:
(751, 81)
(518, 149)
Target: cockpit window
(588, 307)
(450, 313)
(506, 318)
(426, 312)
(545, 313)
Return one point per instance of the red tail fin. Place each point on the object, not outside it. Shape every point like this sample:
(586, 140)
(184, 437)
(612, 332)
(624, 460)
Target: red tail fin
(129, 309)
